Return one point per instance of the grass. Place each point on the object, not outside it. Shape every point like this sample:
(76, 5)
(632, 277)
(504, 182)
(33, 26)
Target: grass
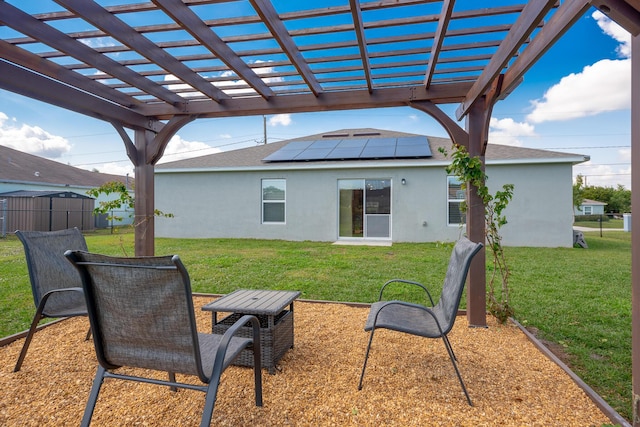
(577, 298)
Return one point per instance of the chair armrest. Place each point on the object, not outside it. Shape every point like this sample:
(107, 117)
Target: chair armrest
(218, 365)
(46, 296)
(74, 289)
(389, 304)
(410, 282)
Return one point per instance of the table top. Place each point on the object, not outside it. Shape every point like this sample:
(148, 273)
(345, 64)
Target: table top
(253, 302)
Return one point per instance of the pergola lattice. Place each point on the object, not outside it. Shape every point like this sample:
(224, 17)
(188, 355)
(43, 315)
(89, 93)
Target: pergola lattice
(152, 67)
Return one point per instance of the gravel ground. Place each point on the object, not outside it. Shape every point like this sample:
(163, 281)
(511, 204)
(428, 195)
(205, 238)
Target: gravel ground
(409, 382)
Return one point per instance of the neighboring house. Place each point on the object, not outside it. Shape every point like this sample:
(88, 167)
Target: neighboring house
(37, 193)
(590, 207)
(358, 185)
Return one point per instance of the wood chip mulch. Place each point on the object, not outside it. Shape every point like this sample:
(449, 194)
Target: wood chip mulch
(409, 381)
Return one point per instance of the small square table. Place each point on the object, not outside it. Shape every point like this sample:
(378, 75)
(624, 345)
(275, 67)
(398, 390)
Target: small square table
(276, 322)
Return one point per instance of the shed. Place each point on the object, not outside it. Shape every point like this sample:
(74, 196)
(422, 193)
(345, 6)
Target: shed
(47, 210)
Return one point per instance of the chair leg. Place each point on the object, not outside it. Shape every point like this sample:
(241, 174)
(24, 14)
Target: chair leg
(172, 378)
(448, 344)
(366, 357)
(257, 373)
(210, 401)
(27, 341)
(88, 334)
(455, 367)
(93, 397)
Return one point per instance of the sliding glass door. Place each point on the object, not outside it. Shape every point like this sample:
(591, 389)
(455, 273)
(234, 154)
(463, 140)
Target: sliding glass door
(365, 208)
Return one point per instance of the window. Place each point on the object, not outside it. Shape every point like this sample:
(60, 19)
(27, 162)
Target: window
(455, 199)
(587, 210)
(273, 200)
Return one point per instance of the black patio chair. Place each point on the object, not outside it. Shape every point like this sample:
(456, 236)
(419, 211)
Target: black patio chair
(434, 321)
(55, 284)
(141, 315)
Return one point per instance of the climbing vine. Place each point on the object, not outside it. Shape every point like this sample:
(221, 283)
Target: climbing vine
(470, 171)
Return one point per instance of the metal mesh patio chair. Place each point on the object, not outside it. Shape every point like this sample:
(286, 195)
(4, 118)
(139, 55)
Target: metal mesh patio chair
(141, 315)
(55, 284)
(434, 321)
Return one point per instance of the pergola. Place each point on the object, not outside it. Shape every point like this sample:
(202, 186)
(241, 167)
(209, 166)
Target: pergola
(149, 68)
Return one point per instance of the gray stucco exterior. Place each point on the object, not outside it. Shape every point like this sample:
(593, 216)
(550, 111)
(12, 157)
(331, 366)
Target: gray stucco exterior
(225, 201)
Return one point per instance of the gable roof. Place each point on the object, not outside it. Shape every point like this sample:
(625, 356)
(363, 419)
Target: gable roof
(16, 166)
(592, 202)
(253, 157)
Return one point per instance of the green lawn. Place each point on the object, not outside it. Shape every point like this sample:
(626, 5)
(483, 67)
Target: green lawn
(578, 298)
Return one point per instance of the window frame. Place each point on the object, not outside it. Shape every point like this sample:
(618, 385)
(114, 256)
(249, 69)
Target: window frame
(459, 201)
(264, 202)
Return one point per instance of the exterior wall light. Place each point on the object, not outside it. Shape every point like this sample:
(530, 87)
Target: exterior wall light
(403, 181)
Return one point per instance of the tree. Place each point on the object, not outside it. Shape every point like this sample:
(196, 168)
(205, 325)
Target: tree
(618, 199)
(124, 199)
(578, 190)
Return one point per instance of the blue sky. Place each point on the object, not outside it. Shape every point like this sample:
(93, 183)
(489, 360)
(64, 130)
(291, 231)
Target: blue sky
(576, 99)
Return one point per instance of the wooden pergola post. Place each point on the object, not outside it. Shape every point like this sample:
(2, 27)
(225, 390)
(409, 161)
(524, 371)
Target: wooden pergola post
(635, 226)
(144, 193)
(144, 153)
(477, 127)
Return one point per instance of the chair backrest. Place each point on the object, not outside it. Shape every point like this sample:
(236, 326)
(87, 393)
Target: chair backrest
(49, 269)
(459, 263)
(141, 312)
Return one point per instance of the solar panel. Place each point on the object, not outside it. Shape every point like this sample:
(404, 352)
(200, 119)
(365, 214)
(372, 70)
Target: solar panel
(352, 149)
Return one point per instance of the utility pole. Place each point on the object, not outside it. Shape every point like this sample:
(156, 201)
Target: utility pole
(264, 129)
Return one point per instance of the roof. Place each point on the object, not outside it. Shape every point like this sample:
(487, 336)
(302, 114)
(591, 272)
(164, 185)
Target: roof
(592, 202)
(136, 63)
(19, 167)
(253, 157)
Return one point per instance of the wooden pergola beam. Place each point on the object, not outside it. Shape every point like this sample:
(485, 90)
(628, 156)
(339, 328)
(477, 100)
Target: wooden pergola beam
(443, 25)
(191, 23)
(528, 20)
(358, 26)
(270, 17)
(343, 100)
(101, 18)
(50, 69)
(566, 15)
(26, 24)
(27, 83)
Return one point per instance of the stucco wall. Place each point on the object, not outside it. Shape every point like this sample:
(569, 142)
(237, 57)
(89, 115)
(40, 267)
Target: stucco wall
(228, 204)
(541, 212)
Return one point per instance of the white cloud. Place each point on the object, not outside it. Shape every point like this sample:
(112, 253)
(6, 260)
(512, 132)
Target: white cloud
(615, 31)
(507, 131)
(280, 119)
(603, 86)
(31, 139)
(225, 136)
(604, 175)
(179, 149)
(121, 169)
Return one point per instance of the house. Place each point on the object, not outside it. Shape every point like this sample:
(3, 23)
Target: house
(590, 207)
(359, 185)
(41, 194)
